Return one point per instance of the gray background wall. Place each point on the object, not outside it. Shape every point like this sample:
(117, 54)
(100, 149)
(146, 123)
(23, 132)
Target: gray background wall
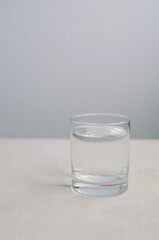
(61, 57)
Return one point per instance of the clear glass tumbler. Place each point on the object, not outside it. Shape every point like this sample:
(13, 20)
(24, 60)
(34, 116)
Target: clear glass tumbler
(100, 153)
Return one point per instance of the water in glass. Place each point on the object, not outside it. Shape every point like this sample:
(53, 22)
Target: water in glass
(100, 160)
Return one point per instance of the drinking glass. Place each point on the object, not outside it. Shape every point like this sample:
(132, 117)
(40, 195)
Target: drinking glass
(100, 153)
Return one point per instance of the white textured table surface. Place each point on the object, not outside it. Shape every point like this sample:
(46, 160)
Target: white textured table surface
(36, 202)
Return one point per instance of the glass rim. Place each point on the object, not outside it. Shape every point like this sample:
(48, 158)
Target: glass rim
(126, 119)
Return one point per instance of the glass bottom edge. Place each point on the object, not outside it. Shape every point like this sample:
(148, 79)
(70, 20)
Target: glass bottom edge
(100, 190)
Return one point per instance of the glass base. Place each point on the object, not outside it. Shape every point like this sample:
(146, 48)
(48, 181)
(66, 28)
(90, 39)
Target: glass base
(100, 190)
